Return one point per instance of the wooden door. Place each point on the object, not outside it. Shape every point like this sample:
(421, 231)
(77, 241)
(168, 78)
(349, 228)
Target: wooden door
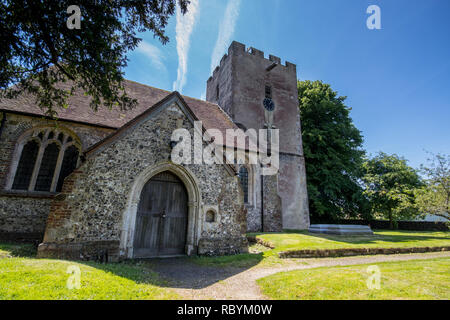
(161, 221)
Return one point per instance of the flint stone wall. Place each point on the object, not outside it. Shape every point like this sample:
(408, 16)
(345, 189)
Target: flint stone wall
(223, 246)
(254, 215)
(94, 197)
(272, 205)
(23, 218)
(23, 215)
(254, 206)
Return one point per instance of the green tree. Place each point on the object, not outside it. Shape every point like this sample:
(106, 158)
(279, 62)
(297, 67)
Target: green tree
(38, 50)
(333, 153)
(390, 186)
(434, 197)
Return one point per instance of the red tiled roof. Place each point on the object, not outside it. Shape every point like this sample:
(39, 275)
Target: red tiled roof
(79, 110)
(211, 115)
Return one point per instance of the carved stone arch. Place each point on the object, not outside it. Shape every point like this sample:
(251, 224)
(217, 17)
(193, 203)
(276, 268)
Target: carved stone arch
(50, 141)
(23, 134)
(194, 205)
(48, 128)
(22, 128)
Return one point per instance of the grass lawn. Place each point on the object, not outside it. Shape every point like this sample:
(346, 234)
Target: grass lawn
(297, 240)
(381, 239)
(418, 279)
(23, 277)
(28, 278)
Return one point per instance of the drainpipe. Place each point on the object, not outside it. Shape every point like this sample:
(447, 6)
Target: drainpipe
(262, 202)
(2, 124)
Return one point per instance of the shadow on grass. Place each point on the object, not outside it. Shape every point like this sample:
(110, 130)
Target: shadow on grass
(18, 250)
(183, 272)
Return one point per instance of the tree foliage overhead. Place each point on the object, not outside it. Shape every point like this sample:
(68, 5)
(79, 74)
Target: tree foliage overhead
(434, 197)
(38, 50)
(333, 153)
(390, 186)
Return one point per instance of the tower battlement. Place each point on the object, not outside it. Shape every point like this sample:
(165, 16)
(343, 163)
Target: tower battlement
(237, 48)
(241, 82)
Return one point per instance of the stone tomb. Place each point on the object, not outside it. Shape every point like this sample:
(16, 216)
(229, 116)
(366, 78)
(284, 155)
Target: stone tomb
(341, 229)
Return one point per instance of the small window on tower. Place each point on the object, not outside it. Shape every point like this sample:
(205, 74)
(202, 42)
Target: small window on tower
(269, 92)
(217, 92)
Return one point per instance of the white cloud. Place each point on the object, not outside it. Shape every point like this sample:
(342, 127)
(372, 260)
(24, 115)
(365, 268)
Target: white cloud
(226, 31)
(183, 29)
(153, 53)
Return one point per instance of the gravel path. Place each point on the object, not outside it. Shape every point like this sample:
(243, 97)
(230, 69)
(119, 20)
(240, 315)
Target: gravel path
(197, 282)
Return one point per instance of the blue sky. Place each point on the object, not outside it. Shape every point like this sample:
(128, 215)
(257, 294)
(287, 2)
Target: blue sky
(397, 79)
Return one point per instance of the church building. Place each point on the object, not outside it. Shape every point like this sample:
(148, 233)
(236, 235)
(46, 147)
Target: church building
(104, 184)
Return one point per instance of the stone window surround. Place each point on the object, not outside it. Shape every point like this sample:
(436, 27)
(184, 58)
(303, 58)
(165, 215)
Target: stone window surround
(210, 216)
(32, 134)
(252, 175)
(251, 185)
(209, 226)
(244, 182)
(215, 210)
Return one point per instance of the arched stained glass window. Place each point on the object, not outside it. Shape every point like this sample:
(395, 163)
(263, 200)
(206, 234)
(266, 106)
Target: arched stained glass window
(243, 178)
(47, 169)
(26, 165)
(69, 164)
(53, 166)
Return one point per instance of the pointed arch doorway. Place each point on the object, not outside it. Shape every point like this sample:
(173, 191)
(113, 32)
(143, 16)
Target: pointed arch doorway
(162, 217)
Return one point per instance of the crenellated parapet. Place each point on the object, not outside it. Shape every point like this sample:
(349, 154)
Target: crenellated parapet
(237, 48)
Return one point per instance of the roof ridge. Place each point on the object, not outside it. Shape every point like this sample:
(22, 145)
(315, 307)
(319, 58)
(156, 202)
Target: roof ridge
(225, 113)
(168, 91)
(147, 85)
(201, 100)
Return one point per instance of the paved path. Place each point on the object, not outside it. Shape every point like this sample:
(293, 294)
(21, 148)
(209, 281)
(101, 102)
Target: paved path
(193, 281)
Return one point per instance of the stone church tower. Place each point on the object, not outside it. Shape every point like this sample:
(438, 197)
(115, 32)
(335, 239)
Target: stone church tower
(242, 85)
